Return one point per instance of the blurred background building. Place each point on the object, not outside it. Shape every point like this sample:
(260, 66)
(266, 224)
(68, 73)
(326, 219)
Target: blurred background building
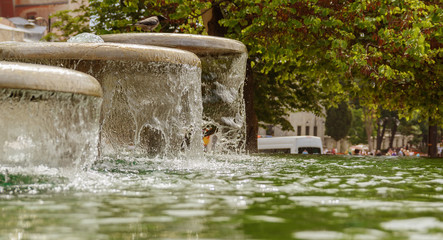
(308, 124)
(28, 20)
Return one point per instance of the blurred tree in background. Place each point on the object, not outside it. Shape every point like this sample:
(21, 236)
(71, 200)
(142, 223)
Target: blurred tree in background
(357, 133)
(393, 53)
(338, 121)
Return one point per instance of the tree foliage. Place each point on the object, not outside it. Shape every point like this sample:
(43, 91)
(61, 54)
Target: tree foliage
(69, 22)
(287, 55)
(392, 50)
(338, 121)
(357, 133)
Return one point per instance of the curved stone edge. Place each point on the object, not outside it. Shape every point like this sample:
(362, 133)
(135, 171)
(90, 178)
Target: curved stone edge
(46, 78)
(198, 44)
(97, 51)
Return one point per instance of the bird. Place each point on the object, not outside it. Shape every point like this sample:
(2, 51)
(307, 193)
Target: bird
(150, 23)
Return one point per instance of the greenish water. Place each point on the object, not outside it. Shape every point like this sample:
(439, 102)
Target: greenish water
(228, 197)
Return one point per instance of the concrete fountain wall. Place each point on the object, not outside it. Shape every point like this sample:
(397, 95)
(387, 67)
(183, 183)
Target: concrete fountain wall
(49, 116)
(223, 74)
(151, 95)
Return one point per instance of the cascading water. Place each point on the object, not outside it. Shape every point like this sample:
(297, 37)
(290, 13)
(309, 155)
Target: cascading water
(223, 104)
(151, 95)
(47, 128)
(47, 118)
(223, 74)
(161, 116)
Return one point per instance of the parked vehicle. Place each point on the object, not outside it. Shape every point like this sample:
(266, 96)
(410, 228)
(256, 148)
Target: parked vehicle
(291, 144)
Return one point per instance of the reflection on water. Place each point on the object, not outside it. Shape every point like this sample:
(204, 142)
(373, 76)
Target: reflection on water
(228, 197)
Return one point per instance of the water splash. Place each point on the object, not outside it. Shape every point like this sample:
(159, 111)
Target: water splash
(48, 128)
(86, 38)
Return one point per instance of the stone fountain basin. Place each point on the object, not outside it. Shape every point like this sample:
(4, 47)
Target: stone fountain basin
(151, 95)
(96, 51)
(198, 44)
(223, 74)
(49, 116)
(45, 78)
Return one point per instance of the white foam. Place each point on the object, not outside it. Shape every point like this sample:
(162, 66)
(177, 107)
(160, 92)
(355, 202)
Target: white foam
(421, 224)
(188, 213)
(105, 221)
(428, 236)
(367, 184)
(318, 235)
(439, 181)
(321, 184)
(264, 218)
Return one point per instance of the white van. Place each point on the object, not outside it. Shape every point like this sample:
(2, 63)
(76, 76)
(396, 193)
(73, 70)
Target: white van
(291, 144)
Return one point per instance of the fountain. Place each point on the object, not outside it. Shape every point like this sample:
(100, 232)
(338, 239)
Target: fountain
(152, 104)
(223, 74)
(49, 116)
(151, 95)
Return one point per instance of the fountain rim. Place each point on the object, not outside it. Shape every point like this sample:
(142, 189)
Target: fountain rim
(97, 51)
(198, 44)
(25, 76)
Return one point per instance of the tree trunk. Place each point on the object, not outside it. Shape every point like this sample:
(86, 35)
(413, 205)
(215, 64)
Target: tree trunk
(369, 127)
(210, 20)
(337, 146)
(343, 146)
(393, 132)
(380, 134)
(432, 139)
(251, 116)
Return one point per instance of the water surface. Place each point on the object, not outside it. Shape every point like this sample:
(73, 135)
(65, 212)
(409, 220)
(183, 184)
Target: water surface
(227, 197)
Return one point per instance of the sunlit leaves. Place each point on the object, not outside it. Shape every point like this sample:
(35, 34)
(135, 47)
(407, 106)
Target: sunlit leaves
(396, 49)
